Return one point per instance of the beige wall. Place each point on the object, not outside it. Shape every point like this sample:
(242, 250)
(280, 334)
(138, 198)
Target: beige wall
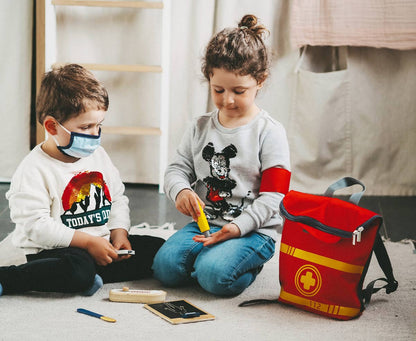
(369, 135)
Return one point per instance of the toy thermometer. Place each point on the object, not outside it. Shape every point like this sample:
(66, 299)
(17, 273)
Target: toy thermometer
(137, 296)
(203, 222)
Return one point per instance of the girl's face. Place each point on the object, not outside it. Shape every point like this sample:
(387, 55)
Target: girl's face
(233, 94)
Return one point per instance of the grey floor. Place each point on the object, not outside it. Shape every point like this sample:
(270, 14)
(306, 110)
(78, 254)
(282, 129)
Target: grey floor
(147, 205)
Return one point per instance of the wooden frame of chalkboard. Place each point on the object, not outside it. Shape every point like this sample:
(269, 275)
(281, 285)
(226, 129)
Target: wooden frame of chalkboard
(180, 311)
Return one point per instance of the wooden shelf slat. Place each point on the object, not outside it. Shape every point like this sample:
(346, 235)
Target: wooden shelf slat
(131, 130)
(114, 4)
(120, 67)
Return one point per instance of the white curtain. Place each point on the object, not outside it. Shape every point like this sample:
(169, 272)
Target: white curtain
(358, 119)
(16, 20)
(133, 36)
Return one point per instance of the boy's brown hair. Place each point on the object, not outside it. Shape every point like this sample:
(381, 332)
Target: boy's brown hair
(67, 91)
(240, 50)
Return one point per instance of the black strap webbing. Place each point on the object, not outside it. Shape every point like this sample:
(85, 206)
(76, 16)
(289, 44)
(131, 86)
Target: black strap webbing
(257, 301)
(385, 264)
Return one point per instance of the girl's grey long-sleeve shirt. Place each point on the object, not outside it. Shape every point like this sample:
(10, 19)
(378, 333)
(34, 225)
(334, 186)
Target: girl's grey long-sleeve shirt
(224, 167)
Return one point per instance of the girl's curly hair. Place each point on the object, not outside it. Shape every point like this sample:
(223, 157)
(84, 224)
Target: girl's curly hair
(240, 50)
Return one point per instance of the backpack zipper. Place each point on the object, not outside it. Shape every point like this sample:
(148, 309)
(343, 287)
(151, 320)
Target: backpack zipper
(355, 235)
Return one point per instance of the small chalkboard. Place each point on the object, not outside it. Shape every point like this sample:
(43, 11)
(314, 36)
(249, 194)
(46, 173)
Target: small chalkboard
(179, 312)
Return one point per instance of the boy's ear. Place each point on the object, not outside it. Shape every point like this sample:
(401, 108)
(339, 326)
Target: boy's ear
(50, 125)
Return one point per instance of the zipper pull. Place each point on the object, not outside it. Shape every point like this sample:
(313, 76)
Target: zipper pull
(359, 230)
(356, 235)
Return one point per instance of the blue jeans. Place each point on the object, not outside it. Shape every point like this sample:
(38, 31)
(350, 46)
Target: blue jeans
(225, 269)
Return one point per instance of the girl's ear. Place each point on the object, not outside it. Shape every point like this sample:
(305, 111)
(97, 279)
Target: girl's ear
(259, 86)
(260, 83)
(50, 125)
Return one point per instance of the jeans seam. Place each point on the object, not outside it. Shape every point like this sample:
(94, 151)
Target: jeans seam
(248, 256)
(185, 257)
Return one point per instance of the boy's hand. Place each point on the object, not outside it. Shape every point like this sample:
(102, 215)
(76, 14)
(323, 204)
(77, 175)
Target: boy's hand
(99, 248)
(187, 203)
(120, 241)
(228, 231)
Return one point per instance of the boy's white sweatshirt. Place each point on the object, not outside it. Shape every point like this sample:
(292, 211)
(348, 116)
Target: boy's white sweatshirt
(50, 199)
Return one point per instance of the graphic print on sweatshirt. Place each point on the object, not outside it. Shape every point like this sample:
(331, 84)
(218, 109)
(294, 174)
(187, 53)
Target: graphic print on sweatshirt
(219, 184)
(86, 201)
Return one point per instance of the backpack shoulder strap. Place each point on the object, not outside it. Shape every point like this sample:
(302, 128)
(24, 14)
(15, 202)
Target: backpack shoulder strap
(385, 264)
(257, 301)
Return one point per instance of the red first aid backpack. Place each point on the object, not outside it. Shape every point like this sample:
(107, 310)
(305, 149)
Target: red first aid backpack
(325, 252)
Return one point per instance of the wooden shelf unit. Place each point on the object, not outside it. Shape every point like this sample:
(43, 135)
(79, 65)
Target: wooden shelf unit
(116, 4)
(46, 51)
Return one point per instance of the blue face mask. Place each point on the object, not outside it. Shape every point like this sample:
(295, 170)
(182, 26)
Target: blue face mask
(80, 145)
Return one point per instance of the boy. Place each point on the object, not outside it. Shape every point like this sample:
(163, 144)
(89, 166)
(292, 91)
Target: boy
(67, 199)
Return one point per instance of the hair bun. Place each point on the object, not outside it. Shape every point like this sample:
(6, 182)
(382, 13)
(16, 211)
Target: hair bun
(250, 21)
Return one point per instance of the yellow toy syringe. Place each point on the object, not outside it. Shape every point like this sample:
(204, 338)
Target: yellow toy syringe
(203, 222)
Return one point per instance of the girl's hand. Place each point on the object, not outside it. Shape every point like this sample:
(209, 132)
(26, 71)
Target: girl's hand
(228, 231)
(187, 203)
(120, 241)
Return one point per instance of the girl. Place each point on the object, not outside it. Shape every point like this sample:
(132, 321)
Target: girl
(234, 161)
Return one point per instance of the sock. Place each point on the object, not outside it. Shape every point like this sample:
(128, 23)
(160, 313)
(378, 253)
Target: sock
(1, 289)
(97, 284)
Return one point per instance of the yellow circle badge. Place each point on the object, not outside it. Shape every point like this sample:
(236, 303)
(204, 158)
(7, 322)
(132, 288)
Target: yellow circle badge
(308, 280)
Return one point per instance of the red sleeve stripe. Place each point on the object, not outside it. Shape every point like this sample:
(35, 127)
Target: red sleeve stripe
(275, 180)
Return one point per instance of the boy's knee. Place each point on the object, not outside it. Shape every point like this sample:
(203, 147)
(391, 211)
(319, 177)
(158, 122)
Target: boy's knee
(81, 281)
(81, 272)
